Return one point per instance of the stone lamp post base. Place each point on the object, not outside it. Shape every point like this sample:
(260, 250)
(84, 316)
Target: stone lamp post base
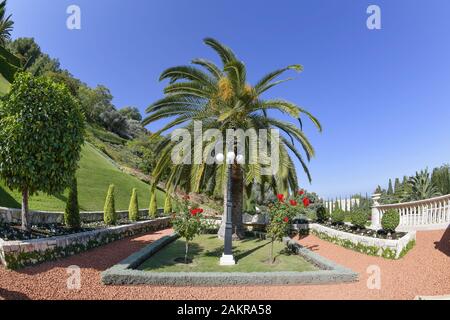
(227, 260)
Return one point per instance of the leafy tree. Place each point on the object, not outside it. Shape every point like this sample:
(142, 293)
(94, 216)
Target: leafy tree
(26, 49)
(133, 210)
(72, 211)
(222, 99)
(95, 101)
(41, 129)
(131, 113)
(6, 24)
(65, 78)
(113, 121)
(109, 211)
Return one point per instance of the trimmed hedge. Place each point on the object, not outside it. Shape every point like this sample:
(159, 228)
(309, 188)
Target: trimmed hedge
(359, 218)
(338, 216)
(109, 213)
(133, 210)
(72, 212)
(390, 220)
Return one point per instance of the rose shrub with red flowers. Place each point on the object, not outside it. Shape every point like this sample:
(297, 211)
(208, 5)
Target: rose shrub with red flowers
(188, 223)
(280, 217)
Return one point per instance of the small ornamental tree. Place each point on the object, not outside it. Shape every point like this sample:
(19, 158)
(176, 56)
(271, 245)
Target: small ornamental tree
(133, 209)
(72, 212)
(41, 133)
(280, 217)
(109, 212)
(187, 223)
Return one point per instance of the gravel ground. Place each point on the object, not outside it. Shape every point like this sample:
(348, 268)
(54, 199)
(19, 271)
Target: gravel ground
(424, 271)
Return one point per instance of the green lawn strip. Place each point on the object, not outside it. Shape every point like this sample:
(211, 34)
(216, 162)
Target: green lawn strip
(94, 176)
(251, 255)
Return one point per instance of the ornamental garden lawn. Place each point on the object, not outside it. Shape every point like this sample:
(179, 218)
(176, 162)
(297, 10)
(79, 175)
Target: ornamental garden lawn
(251, 254)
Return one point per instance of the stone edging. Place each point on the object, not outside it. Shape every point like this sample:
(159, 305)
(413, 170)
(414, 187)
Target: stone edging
(386, 248)
(18, 254)
(125, 273)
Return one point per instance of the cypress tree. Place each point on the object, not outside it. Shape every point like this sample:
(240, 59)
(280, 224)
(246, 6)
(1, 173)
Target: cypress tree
(72, 212)
(390, 190)
(152, 210)
(167, 205)
(133, 210)
(109, 211)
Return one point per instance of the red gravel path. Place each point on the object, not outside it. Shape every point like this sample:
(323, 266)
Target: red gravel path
(424, 271)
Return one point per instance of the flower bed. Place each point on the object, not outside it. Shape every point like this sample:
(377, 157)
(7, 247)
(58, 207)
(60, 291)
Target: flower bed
(370, 242)
(18, 254)
(126, 273)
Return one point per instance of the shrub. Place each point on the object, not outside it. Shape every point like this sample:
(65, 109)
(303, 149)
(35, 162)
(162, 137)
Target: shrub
(167, 205)
(322, 214)
(152, 210)
(359, 218)
(338, 216)
(72, 212)
(133, 210)
(390, 220)
(109, 212)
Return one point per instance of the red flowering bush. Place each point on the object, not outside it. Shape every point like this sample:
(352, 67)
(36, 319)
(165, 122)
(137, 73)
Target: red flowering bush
(280, 215)
(188, 223)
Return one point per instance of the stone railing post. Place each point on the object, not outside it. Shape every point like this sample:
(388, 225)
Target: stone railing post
(376, 213)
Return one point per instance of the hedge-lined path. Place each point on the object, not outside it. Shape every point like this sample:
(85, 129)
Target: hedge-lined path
(424, 271)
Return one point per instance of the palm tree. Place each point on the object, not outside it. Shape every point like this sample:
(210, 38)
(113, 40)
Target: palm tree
(6, 24)
(422, 187)
(221, 98)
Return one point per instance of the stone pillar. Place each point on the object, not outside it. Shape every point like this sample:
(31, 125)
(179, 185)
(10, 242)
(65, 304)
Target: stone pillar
(376, 214)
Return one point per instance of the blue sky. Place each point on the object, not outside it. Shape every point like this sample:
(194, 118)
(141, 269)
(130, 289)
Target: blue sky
(383, 96)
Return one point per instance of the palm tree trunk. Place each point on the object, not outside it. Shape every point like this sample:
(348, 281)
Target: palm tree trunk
(25, 222)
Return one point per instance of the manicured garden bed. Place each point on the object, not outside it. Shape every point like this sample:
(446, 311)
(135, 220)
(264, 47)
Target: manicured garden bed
(297, 266)
(22, 253)
(251, 254)
(370, 242)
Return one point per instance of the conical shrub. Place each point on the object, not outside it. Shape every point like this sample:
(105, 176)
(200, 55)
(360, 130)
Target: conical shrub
(72, 212)
(152, 211)
(167, 205)
(109, 212)
(133, 210)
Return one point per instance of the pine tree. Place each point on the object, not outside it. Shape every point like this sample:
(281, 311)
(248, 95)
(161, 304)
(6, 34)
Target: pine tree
(109, 212)
(133, 210)
(72, 213)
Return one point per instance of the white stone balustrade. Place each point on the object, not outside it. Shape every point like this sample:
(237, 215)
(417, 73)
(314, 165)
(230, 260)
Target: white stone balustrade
(429, 214)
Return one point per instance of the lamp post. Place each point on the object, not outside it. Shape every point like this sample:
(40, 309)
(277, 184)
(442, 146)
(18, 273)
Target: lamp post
(227, 258)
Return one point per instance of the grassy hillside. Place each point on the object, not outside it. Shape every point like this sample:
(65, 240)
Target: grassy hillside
(95, 174)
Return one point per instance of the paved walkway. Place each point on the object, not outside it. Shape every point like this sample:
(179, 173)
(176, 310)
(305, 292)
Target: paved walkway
(424, 271)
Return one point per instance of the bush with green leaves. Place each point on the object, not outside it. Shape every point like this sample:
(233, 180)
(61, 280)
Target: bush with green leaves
(41, 133)
(133, 210)
(390, 220)
(109, 212)
(188, 223)
(322, 214)
(338, 216)
(358, 218)
(72, 212)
